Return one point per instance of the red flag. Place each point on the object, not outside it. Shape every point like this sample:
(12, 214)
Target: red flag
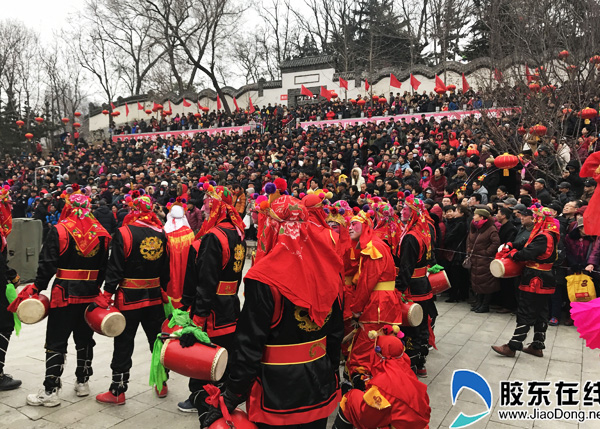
(199, 105)
(170, 110)
(140, 107)
(155, 106)
(306, 91)
(252, 109)
(343, 83)
(218, 102)
(466, 86)
(112, 106)
(366, 85)
(497, 75)
(394, 81)
(439, 83)
(235, 104)
(186, 103)
(414, 82)
(126, 110)
(325, 93)
(528, 74)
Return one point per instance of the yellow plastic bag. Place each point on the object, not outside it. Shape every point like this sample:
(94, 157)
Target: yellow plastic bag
(580, 288)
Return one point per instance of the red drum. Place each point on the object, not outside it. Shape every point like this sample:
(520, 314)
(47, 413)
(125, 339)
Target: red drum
(33, 309)
(506, 268)
(412, 314)
(198, 361)
(439, 282)
(239, 420)
(105, 321)
(165, 327)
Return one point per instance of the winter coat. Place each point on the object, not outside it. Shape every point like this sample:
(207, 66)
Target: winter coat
(194, 218)
(105, 216)
(484, 243)
(358, 181)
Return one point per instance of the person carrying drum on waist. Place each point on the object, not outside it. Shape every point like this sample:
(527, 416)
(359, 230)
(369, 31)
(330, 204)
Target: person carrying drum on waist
(137, 274)
(76, 251)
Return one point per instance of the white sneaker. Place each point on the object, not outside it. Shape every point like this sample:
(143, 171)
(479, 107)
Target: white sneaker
(82, 389)
(43, 398)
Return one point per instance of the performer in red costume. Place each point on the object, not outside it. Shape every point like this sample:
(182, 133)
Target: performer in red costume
(213, 277)
(537, 284)
(413, 256)
(138, 275)
(76, 251)
(7, 277)
(375, 301)
(394, 397)
(290, 329)
(179, 238)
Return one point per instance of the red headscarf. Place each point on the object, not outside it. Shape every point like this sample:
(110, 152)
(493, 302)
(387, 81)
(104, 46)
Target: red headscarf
(82, 225)
(543, 222)
(220, 199)
(301, 262)
(418, 223)
(141, 212)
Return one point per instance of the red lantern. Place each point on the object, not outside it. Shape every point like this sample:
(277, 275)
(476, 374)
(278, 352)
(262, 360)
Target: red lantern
(76, 125)
(39, 120)
(535, 76)
(572, 68)
(76, 135)
(333, 94)
(167, 112)
(352, 100)
(361, 102)
(28, 136)
(548, 88)
(148, 111)
(65, 120)
(534, 87)
(538, 130)
(595, 59)
(77, 114)
(451, 88)
(563, 55)
(105, 112)
(567, 111)
(588, 113)
(439, 90)
(197, 115)
(472, 150)
(205, 108)
(375, 98)
(505, 162)
(382, 100)
(115, 113)
(20, 123)
(522, 131)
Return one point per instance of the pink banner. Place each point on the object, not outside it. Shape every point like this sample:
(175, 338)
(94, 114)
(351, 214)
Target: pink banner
(456, 114)
(182, 133)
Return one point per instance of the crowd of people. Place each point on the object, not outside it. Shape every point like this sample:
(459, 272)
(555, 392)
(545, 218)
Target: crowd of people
(404, 199)
(274, 117)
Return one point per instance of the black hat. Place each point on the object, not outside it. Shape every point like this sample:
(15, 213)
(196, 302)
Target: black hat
(589, 182)
(555, 205)
(564, 185)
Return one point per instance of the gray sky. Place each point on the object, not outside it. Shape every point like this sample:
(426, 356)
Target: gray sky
(45, 16)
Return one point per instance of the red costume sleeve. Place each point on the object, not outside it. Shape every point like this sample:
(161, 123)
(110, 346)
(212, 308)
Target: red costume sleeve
(369, 271)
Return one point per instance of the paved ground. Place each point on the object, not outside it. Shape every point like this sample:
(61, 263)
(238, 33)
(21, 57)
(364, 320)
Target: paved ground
(463, 340)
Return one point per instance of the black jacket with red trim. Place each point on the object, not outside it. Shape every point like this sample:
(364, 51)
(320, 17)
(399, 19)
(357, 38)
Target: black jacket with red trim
(412, 260)
(296, 381)
(60, 252)
(138, 267)
(540, 254)
(213, 277)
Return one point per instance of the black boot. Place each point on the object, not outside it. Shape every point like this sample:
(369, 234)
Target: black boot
(478, 302)
(8, 383)
(341, 422)
(485, 304)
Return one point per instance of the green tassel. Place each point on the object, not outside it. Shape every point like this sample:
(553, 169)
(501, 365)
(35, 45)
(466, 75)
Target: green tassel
(200, 335)
(435, 269)
(179, 318)
(168, 307)
(158, 375)
(11, 295)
